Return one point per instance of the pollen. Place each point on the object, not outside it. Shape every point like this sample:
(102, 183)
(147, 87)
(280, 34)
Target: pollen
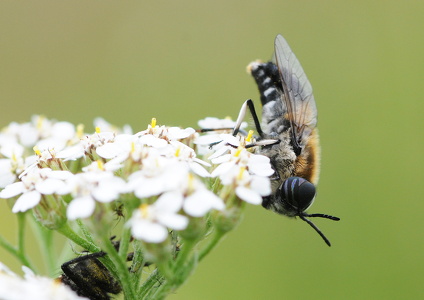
(178, 152)
(80, 130)
(190, 186)
(132, 147)
(37, 150)
(40, 121)
(144, 210)
(237, 153)
(100, 165)
(97, 129)
(241, 173)
(249, 136)
(153, 123)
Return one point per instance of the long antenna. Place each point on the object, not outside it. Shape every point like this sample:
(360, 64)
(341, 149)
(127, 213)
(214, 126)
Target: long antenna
(303, 217)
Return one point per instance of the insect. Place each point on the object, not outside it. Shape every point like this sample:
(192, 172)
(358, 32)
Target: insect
(88, 277)
(287, 134)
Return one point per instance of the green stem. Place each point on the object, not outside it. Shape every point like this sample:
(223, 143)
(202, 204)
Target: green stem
(182, 268)
(121, 269)
(184, 254)
(124, 243)
(68, 232)
(147, 288)
(211, 244)
(85, 231)
(137, 263)
(14, 251)
(45, 237)
(21, 232)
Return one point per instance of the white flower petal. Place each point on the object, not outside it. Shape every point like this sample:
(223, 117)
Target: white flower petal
(26, 201)
(248, 195)
(262, 185)
(28, 135)
(199, 170)
(149, 187)
(203, 163)
(221, 159)
(50, 144)
(108, 190)
(81, 207)
(12, 190)
(6, 178)
(49, 186)
(71, 153)
(153, 141)
(148, 231)
(176, 133)
(12, 149)
(261, 168)
(170, 202)
(173, 221)
(230, 139)
(208, 139)
(201, 202)
(62, 175)
(219, 152)
(63, 130)
(222, 169)
(109, 150)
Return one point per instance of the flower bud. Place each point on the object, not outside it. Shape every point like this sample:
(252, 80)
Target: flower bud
(50, 212)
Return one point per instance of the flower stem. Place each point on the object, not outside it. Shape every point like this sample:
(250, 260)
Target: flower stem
(21, 232)
(217, 235)
(124, 243)
(121, 268)
(68, 232)
(85, 231)
(12, 250)
(184, 254)
(45, 237)
(146, 290)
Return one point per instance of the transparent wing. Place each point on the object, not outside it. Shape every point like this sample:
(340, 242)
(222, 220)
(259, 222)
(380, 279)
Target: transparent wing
(297, 93)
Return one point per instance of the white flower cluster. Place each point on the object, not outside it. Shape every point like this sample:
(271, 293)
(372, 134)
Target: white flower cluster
(13, 287)
(158, 166)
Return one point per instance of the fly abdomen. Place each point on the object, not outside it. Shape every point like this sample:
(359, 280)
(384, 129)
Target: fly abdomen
(270, 89)
(267, 78)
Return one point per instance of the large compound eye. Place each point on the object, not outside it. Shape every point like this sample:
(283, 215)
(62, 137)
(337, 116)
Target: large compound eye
(298, 193)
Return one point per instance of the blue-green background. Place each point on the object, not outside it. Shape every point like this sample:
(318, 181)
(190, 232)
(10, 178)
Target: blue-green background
(180, 61)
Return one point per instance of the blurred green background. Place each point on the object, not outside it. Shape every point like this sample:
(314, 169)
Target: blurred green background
(180, 61)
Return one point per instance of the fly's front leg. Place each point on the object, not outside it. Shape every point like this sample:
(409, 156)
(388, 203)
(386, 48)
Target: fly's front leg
(248, 104)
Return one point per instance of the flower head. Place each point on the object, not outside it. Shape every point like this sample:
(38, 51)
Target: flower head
(150, 222)
(90, 187)
(33, 185)
(248, 173)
